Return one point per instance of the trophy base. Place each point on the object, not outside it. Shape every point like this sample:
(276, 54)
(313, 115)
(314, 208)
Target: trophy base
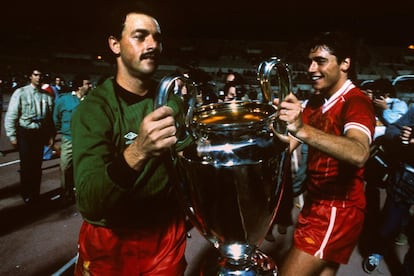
(261, 265)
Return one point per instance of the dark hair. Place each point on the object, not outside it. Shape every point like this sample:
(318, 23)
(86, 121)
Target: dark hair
(368, 85)
(240, 89)
(78, 81)
(238, 78)
(339, 44)
(380, 87)
(118, 13)
(46, 78)
(32, 69)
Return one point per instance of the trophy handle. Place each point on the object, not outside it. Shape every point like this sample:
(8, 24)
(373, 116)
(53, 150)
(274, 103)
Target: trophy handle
(164, 89)
(285, 85)
(263, 76)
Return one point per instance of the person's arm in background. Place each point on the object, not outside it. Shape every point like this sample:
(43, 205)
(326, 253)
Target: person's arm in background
(402, 127)
(11, 120)
(57, 116)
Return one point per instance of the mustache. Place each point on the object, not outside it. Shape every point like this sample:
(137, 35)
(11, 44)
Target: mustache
(154, 54)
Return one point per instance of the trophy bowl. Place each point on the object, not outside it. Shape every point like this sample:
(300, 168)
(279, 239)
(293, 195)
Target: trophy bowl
(230, 180)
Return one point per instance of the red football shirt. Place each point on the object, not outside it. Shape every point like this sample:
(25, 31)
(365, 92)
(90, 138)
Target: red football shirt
(332, 181)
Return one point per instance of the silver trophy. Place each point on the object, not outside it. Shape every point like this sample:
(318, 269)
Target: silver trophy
(230, 181)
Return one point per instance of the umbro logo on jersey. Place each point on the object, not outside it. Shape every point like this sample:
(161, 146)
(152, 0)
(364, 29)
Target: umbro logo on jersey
(130, 136)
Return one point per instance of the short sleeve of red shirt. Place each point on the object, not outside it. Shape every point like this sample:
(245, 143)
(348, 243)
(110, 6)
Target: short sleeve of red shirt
(352, 110)
(358, 112)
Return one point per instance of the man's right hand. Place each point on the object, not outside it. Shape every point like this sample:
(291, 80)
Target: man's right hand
(156, 134)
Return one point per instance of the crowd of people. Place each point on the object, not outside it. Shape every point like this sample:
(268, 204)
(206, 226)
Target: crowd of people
(114, 147)
(37, 112)
(388, 224)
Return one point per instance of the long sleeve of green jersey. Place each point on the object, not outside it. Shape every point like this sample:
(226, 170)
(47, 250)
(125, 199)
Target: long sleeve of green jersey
(102, 127)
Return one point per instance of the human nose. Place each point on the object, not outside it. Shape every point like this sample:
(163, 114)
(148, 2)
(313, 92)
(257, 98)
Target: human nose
(153, 42)
(312, 67)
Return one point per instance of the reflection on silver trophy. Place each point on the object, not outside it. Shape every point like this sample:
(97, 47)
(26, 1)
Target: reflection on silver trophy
(230, 180)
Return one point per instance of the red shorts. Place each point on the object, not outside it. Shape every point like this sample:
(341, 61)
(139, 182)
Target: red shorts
(104, 251)
(330, 233)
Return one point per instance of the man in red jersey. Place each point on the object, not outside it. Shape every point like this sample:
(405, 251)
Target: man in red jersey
(337, 125)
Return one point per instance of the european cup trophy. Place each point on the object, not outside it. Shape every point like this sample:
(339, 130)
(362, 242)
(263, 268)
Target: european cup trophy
(230, 181)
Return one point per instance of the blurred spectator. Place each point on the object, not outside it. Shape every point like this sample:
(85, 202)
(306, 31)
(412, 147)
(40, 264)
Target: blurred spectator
(66, 104)
(207, 93)
(180, 88)
(253, 95)
(49, 151)
(388, 108)
(205, 86)
(58, 86)
(47, 86)
(295, 185)
(231, 76)
(408, 264)
(29, 126)
(234, 88)
(15, 83)
(400, 194)
(283, 217)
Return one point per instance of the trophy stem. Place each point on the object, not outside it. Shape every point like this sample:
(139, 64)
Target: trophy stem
(259, 264)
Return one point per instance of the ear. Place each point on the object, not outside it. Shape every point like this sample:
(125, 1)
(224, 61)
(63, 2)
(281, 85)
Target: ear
(346, 64)
(114, 45)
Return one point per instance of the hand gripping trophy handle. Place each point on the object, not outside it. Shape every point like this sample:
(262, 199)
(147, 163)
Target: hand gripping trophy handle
(165, 88)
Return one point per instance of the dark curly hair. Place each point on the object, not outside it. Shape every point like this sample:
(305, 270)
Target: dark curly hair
(119, 11)
(338, 43)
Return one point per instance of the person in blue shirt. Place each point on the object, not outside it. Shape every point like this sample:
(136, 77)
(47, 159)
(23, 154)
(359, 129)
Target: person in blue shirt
(62, 117)
(388, 108)
(58, 87)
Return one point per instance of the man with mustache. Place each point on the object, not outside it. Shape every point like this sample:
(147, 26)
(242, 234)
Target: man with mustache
(337, 124)
(133, 224)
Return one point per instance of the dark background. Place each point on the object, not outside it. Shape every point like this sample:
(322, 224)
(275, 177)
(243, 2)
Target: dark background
(32, 26)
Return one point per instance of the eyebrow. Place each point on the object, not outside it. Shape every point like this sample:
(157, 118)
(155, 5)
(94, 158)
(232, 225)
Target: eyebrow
(145, 31)
(140, 30)
(319, 58)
